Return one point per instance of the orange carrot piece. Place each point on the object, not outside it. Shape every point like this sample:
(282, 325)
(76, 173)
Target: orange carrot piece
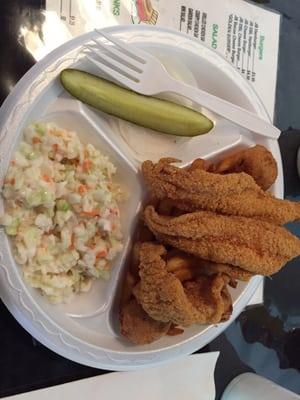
(82, 188)
(101, 254)
(93, 213)
(72, 246)
(55, 147)
(11, 181)
(86, 165)
(36, 140)
(47, 178)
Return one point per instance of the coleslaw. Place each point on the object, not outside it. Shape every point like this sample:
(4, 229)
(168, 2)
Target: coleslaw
(61, 211)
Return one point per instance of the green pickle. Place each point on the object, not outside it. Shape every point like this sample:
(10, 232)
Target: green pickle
(149, 112)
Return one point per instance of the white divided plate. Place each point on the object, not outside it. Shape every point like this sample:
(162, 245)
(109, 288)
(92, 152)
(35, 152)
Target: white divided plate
(86, 330)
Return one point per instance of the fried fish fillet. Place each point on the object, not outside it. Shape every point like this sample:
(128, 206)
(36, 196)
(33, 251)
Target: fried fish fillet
(138, 327)
(164, 298)
(256, 161)
(255, 246)
(230, 194)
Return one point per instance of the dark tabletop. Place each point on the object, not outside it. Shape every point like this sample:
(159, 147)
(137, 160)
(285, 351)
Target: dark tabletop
(265, 338)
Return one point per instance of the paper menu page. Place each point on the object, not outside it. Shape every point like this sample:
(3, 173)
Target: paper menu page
(246, 35)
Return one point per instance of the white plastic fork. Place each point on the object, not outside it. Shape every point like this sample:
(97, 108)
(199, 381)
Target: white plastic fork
(143, 73)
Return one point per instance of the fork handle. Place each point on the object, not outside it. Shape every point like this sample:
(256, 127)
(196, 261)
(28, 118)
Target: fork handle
(229, 111)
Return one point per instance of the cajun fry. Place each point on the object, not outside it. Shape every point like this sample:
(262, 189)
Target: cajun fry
(211, 268)
(178, 263)
(174, 331)
(177, 260)
(185, 274)
(199, 163)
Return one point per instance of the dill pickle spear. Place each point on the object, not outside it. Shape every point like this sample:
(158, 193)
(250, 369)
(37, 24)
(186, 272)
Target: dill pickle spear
(149, 112)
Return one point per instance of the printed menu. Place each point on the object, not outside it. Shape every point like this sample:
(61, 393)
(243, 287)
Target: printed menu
(245, 34)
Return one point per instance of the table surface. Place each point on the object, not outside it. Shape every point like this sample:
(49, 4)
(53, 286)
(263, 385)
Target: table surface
(265, 338)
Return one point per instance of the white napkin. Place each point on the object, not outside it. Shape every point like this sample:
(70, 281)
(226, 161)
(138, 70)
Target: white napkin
(187, 378)
(258, 297)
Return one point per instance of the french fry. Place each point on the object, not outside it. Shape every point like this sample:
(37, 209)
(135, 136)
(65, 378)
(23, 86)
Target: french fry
(199, 163)
(178, 263)
(174, 331)
(211, 268)
(186, 267)
(185, 274)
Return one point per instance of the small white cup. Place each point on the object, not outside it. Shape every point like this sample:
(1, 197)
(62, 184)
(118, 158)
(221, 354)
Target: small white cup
(250, 386)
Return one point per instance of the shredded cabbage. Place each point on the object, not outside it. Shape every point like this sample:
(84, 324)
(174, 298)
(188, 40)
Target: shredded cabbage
(61, 210)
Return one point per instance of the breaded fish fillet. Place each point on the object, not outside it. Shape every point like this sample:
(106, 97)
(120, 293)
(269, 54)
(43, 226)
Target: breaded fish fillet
(256, 246)
(230, 194)
(138, 327)
(164, 298)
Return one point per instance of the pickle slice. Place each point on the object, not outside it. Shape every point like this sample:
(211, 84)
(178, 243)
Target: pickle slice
(149, 112)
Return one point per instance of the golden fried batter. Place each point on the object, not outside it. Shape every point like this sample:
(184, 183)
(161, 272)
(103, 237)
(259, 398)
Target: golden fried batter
(164, 298)
(256, 161)
(231, 194)
(256, 246)
(138, 327)
(205, 294)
